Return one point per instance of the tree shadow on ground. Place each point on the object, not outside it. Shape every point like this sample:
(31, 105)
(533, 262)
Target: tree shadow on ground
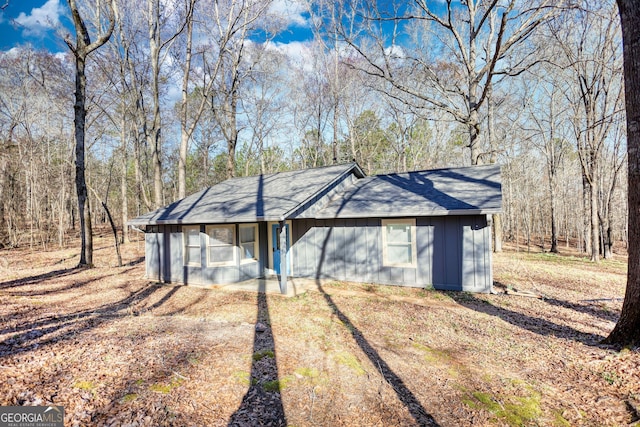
(590, 309)
(37, 278)
(534, 324)
(51, 288)
(262, 403)
(185, 308)
(408, 399)
(584, 306)
(56, 327)
(136, 261)
(404, 394)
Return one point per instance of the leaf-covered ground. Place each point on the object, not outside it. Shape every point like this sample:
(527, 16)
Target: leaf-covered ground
(116, 349)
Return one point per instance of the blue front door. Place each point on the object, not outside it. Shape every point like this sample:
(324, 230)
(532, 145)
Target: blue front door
(275, 246)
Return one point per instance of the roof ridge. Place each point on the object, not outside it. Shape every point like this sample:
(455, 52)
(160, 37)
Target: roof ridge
(438, 169)
(288, 171)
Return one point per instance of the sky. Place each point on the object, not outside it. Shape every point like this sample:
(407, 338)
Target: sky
(36, 21)
(33, 22)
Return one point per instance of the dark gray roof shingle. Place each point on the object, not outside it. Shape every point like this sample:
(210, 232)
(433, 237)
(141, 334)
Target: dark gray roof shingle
(266, 197)
(453, 191)
(273, 197)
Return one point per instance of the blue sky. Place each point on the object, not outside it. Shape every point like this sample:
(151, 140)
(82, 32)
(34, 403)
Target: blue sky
(34, 22)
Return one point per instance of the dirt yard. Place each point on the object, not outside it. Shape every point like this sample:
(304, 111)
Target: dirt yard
(116, 349)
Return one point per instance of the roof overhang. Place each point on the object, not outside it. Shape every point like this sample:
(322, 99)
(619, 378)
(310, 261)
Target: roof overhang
(407, 214)
(138, 223)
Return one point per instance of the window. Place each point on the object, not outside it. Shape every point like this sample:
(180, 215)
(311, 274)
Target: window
(248, 242)
(221, 245)
(191, 235)
(399, 243)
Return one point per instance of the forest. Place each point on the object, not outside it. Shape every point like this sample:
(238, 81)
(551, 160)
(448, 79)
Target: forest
(130, 106)
(183, 94)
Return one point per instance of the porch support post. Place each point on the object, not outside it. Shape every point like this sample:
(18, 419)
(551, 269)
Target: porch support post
(283, 257)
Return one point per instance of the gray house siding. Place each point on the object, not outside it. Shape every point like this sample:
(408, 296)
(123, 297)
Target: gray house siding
(164, 259)
(154, 250)
(312, 206)
(336, 216)
(453, 253)
(460, 253)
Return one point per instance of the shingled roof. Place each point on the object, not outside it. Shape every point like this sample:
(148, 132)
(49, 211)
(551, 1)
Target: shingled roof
(274, 197)
(269, 197)
(454, 191)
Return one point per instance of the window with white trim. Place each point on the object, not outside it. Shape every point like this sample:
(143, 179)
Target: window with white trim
(221, 242)
(399, 243)
(248, 235)
(191, 235)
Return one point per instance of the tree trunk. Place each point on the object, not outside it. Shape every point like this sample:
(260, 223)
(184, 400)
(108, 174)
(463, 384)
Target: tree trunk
(156, 144)
(595, 224)
(3, 224)
(123, 179)
(185, 133)
(115, 232)
(335, 128)
(554, 209)
(88, 232)
(627, 330)
(497, 232)
(586, 199)
(182, 161)
(496, 218)
(81, 50)
(608, 239)
(62, 200)
(231, 158)
(3, 174)
(142, 197)
(86, 257)
(232, 140)
(156, 159)
(474, 134)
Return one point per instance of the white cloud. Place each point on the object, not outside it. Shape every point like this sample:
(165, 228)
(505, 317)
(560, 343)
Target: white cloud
(291, 11)
(395, 51)
(14, 52)
(62, 56)
(41, 19)
(299, 53)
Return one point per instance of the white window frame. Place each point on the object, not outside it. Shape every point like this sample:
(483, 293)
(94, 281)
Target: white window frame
(256, 243)
(232, 262)
(385, 244)
(185, 233)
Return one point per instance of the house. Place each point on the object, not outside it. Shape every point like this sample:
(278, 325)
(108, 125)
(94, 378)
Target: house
(424, 228)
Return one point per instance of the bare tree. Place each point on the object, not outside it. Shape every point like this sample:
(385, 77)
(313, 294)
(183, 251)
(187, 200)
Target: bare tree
(627, 330)
(155, 47)
(134, 73)
(263, 105)
(81, 49)
(547, 116)
(156, 16)
(615, 158)
(230, 25)
(312, 109)
(456, 55)
(35, 101)
(588, 43)
(186, 129)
